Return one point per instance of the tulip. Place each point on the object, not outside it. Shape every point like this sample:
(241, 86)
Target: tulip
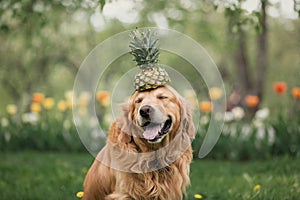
(35, 107)
(38, 97)
(103, 97)
(62, 106)
(215, 93)
(279, 87)
(252, 100)
(296, 93)
(48, 103)
(206, 106)
(11, 109)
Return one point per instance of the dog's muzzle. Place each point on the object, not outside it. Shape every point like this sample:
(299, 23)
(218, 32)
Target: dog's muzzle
(156, 124)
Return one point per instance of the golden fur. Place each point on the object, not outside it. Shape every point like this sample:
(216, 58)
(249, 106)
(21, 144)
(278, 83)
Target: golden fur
(107, 183)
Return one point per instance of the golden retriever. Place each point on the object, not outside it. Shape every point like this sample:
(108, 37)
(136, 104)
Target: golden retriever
(148, 151)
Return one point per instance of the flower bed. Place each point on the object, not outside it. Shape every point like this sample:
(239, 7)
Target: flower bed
(47, 124)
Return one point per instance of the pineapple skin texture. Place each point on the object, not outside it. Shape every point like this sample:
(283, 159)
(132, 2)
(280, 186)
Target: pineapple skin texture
(151, 78)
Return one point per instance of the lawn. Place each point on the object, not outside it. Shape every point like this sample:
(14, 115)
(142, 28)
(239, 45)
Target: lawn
(36, 175)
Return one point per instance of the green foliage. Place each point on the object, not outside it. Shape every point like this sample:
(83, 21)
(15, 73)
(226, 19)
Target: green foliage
(238, 18)
(254, 140)
(47, 134)
(287, 140)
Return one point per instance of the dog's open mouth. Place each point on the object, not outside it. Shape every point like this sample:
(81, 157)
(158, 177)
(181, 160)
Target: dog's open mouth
(154, 133)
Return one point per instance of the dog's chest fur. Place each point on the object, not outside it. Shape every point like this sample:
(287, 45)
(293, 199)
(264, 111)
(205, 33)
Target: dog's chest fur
(165, 183)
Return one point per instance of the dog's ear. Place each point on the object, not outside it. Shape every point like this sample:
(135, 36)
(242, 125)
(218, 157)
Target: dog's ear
(187, 124)
(125, 123)
(187, 120)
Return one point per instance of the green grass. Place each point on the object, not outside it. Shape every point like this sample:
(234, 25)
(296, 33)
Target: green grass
(236, 180)
(36, 175)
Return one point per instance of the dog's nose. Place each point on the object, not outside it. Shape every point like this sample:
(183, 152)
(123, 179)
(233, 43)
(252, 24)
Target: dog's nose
(145, 111)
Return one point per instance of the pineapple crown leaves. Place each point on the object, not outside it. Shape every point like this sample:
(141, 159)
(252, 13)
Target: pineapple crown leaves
(144, 48)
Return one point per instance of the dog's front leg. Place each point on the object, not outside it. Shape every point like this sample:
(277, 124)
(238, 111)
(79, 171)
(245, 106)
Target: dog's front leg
(99, 182)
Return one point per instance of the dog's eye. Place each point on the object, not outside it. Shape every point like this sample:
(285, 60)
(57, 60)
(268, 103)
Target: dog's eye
(162, 97)
(139, 100)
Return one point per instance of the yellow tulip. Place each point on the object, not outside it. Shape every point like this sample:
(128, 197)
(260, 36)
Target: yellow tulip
(35, 107)
(215, 93)
(11, 109)
(62, 106)
(48, 103)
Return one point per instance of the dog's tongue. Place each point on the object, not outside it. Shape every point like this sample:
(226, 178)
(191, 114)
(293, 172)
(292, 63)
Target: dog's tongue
(151, 132)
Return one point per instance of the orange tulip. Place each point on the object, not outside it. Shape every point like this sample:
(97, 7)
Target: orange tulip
(206, 106)
(103, 97)
(252, 100)
(279, 87)
(296, 93)
(38, 97)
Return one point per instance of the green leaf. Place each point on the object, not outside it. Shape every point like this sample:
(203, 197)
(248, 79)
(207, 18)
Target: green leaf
(235, 28)
(102, 3)
(4, 28)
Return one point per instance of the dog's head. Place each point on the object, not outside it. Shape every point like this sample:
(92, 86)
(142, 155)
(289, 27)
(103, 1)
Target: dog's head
(160, 114)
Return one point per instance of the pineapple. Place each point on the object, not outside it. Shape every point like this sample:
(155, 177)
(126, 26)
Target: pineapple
(144, 48)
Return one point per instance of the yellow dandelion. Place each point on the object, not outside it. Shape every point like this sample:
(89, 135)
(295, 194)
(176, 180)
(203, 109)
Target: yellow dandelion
(11, 109)
(257, 188)
(80, 194)
(48, 103)
(198, 196)
(62, 106)
(35, 107)
(296, 185)
(215, 93)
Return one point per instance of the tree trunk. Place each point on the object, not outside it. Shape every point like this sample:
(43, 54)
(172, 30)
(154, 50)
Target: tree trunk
(261, 61)
(242, 65)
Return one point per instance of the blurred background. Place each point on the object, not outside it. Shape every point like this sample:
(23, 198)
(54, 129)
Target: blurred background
(254, 43)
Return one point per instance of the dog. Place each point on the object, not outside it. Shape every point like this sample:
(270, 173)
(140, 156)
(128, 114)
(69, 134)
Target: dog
(148, 151)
